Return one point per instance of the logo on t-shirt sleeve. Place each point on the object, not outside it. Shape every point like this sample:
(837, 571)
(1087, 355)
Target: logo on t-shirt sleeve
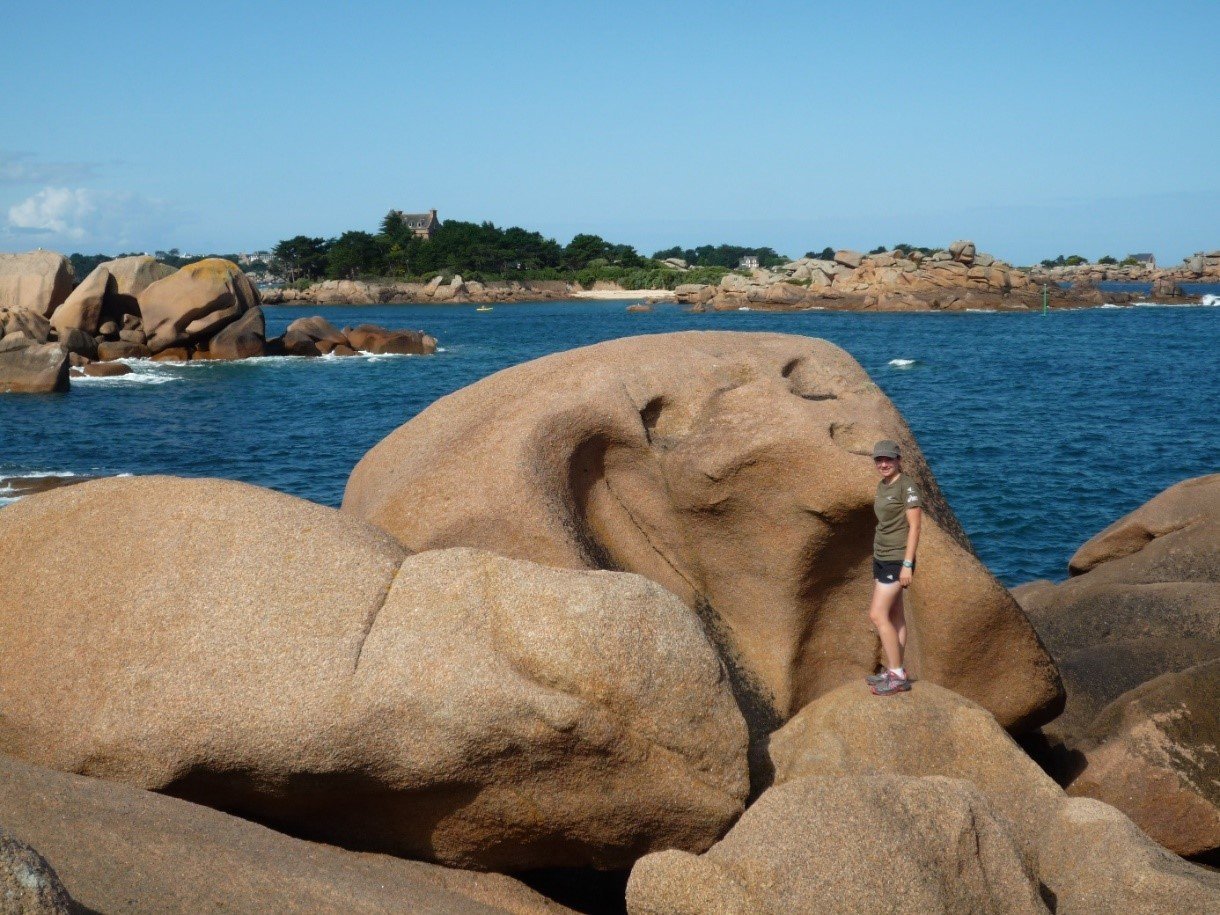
(912, 495)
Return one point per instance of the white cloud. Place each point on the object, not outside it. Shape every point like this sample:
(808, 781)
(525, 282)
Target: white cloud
(55, 211)
(86, 216)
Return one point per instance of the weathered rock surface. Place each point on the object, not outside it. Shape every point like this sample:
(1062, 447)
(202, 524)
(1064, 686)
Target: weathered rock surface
(106, 369)
(318, 329)
(82, 310)
(27, 367)
(38, 280)
(28, 884)
(1154, 753)
(1144, 599)
(108, 350)
(457, 705)
(245, 338)
(132, 275)
(350, 292)
(194, 303)
(1192, 506)
(119, 849)
(78, 342)
(1099, 862)
(735, 470)
(297, 343)
(868, 844)
(369, 338)
(21, 320)
(928, 731)
(900, 280)
(933, 732)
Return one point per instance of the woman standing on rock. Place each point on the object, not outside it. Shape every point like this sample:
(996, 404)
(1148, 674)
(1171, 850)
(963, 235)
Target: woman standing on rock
(897, 506)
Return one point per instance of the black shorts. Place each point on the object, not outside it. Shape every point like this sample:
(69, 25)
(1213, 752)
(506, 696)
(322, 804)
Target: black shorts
(887, 572)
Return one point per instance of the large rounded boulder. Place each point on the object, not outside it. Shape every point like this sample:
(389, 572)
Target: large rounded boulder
(1154, 753)
(120, 849)
(194, 303)
(280, 660)
(869, 844)
(1143, 600)
(931, 732)
(137, 272)
(38, 280)
(735, 470)
(32, 368)
(927, 731)
(83, 309)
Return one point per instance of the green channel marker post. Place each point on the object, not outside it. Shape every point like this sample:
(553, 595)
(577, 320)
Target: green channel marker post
(1044, 296)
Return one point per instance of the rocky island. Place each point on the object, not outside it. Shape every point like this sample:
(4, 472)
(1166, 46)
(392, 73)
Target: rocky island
(953, 279)
(598, 636)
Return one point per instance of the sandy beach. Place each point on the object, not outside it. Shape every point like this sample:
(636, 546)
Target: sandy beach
(609, 294)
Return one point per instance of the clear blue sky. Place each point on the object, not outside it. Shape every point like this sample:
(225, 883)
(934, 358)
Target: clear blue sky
(1032, 128)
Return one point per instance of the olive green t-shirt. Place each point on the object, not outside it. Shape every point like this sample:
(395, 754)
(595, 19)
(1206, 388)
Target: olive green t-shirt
(891, 504)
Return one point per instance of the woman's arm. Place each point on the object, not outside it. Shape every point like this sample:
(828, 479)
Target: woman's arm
(914, 519)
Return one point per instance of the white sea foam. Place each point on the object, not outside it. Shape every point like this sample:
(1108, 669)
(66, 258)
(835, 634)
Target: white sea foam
(902, 363)
(1110, 305)
(132, 377)
(37, 474)
(1208, 301)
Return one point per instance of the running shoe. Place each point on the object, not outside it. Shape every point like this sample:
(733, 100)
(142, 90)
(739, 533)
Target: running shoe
(890, 685)
(874, 679)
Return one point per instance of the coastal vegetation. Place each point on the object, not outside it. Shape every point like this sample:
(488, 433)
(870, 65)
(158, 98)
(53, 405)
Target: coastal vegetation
(486, 252)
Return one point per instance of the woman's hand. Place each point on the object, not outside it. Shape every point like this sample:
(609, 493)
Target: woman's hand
(904, 577)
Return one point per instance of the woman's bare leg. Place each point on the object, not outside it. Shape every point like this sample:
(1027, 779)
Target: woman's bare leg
(879, 613)
(899, 617)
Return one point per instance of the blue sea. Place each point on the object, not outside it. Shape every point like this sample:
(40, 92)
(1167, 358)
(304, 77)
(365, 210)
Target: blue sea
(1041, 429)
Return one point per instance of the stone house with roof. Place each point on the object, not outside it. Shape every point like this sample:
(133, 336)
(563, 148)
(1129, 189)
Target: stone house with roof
(424, 225)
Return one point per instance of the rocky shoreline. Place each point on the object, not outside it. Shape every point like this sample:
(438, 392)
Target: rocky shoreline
(953, 279)
(957, 278)
(1203, 267)
(135, 307)
(553, 648)
(138, 308)
(440, 290)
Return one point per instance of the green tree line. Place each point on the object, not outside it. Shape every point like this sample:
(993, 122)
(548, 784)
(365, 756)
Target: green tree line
(484, 251)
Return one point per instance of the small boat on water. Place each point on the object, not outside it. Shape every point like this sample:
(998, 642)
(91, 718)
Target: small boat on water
(484, 308)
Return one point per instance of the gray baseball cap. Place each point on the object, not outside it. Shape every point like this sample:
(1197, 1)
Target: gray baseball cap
(886, 448)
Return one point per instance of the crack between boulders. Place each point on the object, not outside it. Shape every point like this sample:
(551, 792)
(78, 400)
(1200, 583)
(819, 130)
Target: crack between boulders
(372, 619)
